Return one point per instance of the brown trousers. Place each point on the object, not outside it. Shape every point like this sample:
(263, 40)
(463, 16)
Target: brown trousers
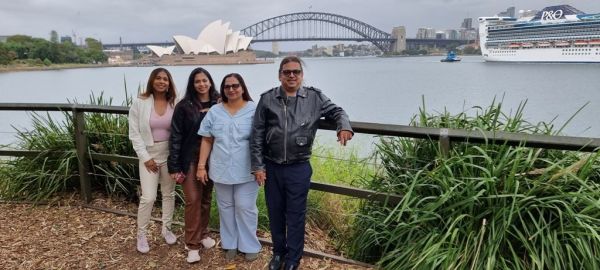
(197, 208)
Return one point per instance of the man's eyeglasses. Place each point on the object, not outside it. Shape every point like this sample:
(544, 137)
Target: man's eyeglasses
(232, 86)
(288, 72)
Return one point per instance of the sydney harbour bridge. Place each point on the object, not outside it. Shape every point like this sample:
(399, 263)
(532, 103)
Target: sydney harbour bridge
(320, 26)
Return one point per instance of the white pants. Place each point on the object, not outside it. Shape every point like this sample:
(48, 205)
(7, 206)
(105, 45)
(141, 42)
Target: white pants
(149, 183)
(238, 216)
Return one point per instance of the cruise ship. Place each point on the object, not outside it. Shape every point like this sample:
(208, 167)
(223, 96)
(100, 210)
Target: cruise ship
(555, 34)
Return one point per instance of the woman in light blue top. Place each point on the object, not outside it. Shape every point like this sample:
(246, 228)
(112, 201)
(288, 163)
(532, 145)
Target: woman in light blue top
(225, 135)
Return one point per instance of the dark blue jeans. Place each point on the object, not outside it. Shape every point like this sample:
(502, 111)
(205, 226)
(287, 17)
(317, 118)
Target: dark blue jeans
(286, 189)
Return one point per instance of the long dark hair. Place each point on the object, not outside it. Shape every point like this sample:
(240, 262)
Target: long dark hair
(171, 92)
(192, 95)
(245, 94)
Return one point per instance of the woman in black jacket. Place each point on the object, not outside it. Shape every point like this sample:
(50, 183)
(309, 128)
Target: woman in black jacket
(184, 143)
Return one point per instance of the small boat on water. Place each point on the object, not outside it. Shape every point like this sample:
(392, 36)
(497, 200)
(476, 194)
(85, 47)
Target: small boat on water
(451, 57)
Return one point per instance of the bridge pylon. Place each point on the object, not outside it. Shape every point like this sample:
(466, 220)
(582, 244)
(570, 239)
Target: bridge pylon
(399, 44)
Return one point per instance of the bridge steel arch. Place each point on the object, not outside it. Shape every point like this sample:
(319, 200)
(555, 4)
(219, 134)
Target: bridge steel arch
(364, 31)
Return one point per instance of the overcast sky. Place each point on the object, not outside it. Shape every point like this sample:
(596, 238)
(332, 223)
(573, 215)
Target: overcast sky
(153, 20)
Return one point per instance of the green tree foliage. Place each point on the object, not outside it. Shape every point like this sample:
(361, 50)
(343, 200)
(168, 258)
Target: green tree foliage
(471, 50)
(415, 52)
(6, 55)
(28, 48)
(481, 206)
(93, 44)
(95, 50)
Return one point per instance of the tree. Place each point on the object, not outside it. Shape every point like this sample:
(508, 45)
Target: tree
(19, 39)
(6, 55)
(94, 50)
(93, 44)
(53, 36)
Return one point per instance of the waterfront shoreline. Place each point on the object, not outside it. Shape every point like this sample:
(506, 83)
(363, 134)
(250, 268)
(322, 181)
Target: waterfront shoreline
(22, 68)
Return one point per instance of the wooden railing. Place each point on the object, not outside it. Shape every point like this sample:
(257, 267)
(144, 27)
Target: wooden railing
(443, 135)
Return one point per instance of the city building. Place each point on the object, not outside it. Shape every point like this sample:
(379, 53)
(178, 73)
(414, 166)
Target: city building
(451, 34)
(119, 57)
(467, 23)
(467, 34)
(440, 35)
(426, 33)
(527, 15)
(510, 12)
(64, 39)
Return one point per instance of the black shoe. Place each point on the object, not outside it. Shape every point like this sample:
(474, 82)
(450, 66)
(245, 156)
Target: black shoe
(275, 263)
(290, 266)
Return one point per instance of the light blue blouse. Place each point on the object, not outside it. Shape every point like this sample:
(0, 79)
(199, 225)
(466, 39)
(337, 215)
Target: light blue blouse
(230, 156)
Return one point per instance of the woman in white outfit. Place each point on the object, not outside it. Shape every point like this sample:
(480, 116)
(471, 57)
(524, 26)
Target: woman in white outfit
(149, 131)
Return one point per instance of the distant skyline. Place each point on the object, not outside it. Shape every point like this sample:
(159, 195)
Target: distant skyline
(156, 21)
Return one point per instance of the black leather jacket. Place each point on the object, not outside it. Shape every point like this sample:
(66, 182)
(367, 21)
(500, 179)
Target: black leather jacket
(184, 142)
(284, 128)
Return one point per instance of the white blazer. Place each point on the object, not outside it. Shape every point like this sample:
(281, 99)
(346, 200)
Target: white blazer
(140, 133)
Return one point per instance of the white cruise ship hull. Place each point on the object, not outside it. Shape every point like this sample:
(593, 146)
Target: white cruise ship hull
(556, 34)
(549, 55)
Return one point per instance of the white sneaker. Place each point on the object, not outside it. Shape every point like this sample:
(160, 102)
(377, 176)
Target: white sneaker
(193, 256)
(170, 238)
(208, 242)
(142, 243)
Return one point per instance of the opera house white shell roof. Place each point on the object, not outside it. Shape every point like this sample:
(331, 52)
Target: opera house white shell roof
(215, 37)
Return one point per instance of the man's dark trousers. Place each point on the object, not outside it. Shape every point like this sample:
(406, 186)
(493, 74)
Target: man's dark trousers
(286, 190)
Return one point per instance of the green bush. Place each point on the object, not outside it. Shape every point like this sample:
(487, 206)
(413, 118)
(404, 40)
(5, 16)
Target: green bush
(56, 169)
(484, 206)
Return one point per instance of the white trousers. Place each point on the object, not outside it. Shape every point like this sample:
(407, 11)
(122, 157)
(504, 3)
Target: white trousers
(238, 216)
(149, 183)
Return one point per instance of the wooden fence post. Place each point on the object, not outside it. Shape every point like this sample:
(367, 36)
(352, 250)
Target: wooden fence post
(82, 155)
(444, 142)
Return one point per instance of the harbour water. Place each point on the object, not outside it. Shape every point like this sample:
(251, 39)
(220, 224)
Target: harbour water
(380, 90)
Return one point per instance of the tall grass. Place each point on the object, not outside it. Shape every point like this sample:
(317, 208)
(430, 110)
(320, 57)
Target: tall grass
(330, 212)
(484, 206)
(40, 177)
(55, 169)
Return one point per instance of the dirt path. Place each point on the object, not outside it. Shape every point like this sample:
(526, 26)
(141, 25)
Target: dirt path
(68, 236)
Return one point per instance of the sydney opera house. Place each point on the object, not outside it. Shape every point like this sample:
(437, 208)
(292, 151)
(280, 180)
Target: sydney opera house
(216, 44)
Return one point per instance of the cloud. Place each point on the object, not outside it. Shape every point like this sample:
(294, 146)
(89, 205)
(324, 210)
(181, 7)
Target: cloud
(158, 20)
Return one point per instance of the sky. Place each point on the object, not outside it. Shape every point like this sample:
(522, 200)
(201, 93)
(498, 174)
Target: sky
(157, 21)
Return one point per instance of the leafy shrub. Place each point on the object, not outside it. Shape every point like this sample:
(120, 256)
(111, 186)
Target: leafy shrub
(483, 206)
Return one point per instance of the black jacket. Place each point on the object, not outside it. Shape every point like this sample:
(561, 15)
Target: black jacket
(284, 128)
(184, 142)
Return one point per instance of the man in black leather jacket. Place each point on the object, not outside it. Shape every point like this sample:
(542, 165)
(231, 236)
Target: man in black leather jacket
(283, 131)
